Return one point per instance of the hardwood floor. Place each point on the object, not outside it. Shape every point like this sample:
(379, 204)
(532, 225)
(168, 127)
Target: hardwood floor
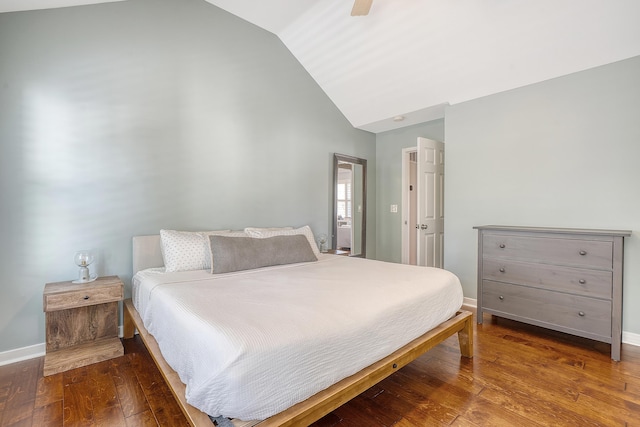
(520, 376)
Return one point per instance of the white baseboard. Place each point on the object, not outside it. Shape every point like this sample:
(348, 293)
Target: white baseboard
(470, 302)
(30, 352)
(627, 337)
(631, 338)
(20, 354)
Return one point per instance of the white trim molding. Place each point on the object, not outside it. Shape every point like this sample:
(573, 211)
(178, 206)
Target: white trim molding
(631, 338)
(470, 302)
(20, 354)
(30, 352)
(627, 337)
(38, 350)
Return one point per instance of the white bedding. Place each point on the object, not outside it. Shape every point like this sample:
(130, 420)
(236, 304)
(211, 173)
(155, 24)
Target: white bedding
(250, 344)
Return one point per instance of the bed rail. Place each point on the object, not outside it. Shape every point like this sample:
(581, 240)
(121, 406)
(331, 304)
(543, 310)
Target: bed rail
(325, 401)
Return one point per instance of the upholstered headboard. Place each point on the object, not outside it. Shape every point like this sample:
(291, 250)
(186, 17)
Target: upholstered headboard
(146, 252)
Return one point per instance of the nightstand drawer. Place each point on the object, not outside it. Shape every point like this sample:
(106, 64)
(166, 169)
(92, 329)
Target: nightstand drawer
(564, 251)
(62, 296)
(582, 281)
(561, 311)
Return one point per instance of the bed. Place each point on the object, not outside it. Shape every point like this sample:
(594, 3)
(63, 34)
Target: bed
(303, 361)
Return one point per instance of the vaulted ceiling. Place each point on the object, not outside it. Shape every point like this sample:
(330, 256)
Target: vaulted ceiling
(411, 58)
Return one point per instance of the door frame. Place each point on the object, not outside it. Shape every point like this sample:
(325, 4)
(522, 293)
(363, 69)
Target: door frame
(405, 229)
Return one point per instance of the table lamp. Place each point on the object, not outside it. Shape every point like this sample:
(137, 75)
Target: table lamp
(322, 239)
(83, 259)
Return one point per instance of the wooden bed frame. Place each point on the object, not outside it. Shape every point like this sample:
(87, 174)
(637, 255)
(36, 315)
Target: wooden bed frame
(323, 402)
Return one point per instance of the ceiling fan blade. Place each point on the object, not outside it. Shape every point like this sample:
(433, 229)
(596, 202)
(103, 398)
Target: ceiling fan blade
(361, 7)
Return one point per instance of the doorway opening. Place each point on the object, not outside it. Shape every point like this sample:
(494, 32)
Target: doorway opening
(423, 204)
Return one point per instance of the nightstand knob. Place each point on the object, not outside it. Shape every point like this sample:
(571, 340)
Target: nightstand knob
(502, 246)
(582, 281)
(501, 270)
(86, 297)
(582, 253)
(500, 297)
(581, 313)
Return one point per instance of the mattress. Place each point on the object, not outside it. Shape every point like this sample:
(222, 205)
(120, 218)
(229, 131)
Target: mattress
(250, 344)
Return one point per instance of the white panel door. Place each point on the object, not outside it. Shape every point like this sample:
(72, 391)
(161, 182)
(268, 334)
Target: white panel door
(430, 227)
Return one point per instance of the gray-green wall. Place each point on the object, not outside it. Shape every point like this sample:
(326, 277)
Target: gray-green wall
(564, 153)
(123, 118)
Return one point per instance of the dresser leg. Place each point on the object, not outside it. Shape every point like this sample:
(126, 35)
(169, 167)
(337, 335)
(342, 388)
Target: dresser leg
(615, 348)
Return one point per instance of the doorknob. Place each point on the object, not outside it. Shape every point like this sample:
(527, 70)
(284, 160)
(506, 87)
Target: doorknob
(423, 226)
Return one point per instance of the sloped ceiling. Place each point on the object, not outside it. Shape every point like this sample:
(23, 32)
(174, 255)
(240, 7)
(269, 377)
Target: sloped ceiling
(411, 58)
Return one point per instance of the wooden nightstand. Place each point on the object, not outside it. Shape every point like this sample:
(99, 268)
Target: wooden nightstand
(81, 323)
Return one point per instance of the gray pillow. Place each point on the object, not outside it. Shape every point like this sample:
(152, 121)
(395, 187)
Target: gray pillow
(244, 253)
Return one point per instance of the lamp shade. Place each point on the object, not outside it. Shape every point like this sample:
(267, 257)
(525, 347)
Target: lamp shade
(83, 258)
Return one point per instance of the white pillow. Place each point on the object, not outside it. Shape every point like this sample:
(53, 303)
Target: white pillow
(306, 230)
(186, 250)
(256, 230)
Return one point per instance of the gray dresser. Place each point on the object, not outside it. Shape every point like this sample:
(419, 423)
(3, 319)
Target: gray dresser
(569, 280)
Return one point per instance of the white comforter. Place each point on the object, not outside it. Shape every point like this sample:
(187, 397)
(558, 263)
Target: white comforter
(251, 344)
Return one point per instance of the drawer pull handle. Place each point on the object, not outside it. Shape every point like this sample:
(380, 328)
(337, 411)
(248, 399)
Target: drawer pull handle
(582, 281)
(502, 246)
(581, 313)
(583, 253)
(501, 298)
(86, 297)
(501, 270)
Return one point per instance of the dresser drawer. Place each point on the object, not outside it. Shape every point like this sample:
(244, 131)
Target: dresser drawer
(582, 281)
(83, 297)
(565, 251)
(547, 308)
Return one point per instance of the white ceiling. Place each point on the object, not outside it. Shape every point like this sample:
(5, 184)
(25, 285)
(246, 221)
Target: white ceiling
(414, 57)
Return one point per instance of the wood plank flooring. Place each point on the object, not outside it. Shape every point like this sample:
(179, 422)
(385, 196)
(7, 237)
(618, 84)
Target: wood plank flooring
(520, 376)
